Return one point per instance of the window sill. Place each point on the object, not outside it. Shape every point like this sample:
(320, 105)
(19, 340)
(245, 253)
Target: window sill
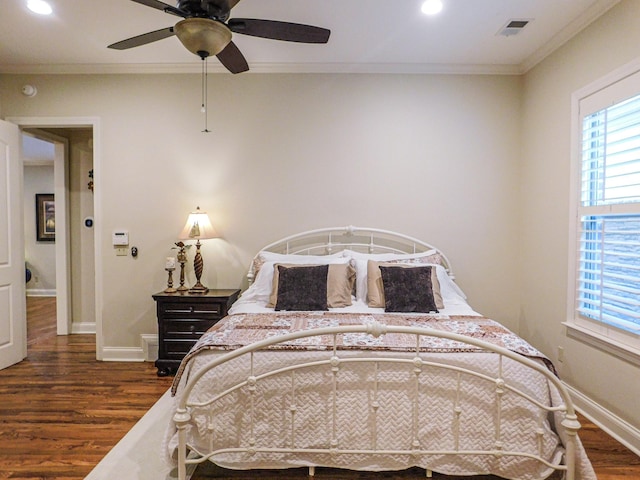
(601, 342)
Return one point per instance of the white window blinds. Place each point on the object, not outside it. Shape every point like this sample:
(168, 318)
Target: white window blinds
(608, 274)
(611, 155)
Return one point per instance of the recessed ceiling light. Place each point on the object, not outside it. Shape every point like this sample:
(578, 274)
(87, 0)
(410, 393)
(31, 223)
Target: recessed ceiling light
(431, 7)
(39, 6)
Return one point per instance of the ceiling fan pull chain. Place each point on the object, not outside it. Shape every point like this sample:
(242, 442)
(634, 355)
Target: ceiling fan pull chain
(205, 103)
(203, 109)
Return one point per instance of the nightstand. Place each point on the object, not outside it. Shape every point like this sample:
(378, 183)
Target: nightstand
(182, 319)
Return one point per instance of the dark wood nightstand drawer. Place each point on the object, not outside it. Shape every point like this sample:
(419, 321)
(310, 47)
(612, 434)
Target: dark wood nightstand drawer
(187, 328)
(194, 310)
(182, 319)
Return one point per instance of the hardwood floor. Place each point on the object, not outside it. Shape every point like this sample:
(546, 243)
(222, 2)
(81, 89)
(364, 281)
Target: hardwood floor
(61, 411)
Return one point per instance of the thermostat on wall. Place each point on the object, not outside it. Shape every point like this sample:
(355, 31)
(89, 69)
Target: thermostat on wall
(120, 238)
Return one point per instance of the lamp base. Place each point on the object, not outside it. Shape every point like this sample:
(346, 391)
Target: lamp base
(198, 288)
(197, 268)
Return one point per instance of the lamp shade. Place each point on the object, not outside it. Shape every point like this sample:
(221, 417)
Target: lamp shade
(198, 226)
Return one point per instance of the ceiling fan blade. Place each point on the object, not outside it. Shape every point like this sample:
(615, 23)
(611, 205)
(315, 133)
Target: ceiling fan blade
(143, 39)
(289, 32)
(233, 59)
(158, 5)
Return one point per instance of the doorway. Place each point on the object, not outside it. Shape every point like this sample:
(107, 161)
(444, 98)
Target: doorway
(69, 171)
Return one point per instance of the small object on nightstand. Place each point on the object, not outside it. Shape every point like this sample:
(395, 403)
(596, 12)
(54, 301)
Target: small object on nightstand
(182, 260)
(170, 288)
(170, 266)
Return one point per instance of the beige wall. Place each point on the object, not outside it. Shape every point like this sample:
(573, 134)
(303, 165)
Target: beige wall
(609, 43)
(434, 157)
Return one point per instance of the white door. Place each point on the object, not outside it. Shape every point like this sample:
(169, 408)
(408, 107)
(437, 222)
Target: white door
(13, 323)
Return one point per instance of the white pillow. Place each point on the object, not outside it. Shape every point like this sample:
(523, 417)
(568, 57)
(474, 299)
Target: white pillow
(293, 258)
(450, 291)
(264, 257)
(385, 257)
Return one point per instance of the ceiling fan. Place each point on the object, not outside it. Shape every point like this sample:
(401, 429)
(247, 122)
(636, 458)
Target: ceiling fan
(206, 30)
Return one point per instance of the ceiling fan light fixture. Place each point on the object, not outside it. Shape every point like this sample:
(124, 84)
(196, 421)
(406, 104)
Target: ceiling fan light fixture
(202, 36)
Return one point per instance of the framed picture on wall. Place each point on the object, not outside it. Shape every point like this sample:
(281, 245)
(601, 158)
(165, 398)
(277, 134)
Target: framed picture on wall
(45, 217)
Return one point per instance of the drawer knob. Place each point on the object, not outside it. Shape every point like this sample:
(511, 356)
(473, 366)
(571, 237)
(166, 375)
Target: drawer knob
(192, 328)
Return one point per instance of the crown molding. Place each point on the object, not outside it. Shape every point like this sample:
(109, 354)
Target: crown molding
(196, 67)
(590, 15)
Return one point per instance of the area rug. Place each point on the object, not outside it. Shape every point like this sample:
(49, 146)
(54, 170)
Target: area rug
(138, 457)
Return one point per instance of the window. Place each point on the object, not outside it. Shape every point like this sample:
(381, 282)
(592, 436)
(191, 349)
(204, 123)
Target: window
(606, 273)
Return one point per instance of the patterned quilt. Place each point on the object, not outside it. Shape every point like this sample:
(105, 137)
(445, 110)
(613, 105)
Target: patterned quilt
(243, 329)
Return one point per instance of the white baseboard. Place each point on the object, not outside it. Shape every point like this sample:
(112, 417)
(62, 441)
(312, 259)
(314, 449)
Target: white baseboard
(122, 354)
(83, 327)
(149, 346)
(40, 292)
(147, 352)
(619, 429)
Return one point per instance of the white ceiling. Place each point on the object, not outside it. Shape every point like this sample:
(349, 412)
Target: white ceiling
(384, 36)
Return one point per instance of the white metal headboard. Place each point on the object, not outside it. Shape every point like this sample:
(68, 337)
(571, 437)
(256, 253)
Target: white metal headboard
(325, 241)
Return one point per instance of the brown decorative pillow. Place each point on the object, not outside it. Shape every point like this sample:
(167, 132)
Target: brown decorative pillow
(341, 280)
(302, 288)
(375, 292)
(408, 289)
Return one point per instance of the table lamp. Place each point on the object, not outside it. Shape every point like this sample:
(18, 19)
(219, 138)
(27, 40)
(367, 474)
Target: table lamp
(198, 226)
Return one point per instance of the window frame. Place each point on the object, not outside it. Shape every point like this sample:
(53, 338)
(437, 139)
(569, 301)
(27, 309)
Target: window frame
(623, 83)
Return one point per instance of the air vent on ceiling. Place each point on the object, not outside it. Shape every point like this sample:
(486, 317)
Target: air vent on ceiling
(513, 27)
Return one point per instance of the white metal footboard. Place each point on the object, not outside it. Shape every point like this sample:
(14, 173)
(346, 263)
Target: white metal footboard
(335, 361)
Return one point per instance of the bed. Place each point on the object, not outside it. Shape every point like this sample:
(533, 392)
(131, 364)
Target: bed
(354, 348)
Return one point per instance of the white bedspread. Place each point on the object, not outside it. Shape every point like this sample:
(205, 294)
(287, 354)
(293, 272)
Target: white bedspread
(448, 417)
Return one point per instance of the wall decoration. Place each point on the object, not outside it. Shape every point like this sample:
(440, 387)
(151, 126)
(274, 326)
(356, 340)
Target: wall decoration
(45, 217)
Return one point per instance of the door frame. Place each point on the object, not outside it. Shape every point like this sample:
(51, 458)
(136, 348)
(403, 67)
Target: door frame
(94, 124)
